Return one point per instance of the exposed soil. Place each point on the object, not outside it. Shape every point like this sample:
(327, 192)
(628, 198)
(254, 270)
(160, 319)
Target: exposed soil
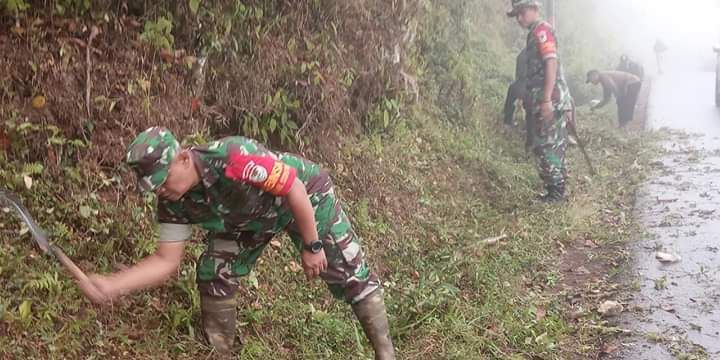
(587, 265)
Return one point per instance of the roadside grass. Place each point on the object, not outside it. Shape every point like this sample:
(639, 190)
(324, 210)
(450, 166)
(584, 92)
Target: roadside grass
(451, 294)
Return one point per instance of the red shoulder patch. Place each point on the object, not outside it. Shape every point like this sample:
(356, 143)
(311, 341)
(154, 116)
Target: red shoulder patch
(263, 172)
(547, 44)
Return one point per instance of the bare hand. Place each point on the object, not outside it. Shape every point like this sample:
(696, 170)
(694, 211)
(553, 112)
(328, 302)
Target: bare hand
(547, 112)
(313, 264)
(98, 289)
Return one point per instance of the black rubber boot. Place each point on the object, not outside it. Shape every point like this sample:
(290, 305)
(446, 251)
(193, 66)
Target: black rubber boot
(555, 194)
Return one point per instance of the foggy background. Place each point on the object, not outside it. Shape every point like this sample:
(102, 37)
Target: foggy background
(688, 28)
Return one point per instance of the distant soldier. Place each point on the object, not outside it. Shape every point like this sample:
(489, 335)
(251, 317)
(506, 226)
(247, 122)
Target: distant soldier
(551, 103)
(659, 48)
(629, 66)
(716, 48)
(624, 86)
(518, 91)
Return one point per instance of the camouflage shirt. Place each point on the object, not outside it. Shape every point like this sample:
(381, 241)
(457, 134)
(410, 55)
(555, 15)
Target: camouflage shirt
(542, 46)
(241, 192)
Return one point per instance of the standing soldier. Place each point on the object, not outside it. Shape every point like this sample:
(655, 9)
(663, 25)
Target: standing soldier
(518, 91)
(244, 195)
(550, 96)
(630, 66)
(625, 87)
(716, 48)
(659, 48)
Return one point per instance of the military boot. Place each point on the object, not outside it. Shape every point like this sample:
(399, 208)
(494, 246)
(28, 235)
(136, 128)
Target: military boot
(218, 321)
(555, 193)
(373, 318)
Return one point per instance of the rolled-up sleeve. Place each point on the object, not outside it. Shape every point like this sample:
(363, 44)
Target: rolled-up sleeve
(168, 232)
(173, 225)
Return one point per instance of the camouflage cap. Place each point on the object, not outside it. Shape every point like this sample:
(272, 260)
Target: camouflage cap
(150, 155)
(519, 4)
(590, 75)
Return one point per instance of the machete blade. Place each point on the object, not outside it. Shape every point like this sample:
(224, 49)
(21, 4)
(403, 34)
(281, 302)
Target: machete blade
(9, 199)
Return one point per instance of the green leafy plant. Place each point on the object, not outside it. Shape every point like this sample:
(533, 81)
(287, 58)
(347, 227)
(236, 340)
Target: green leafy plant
(348, 78)
(14, 7)
(25, 311)
(194, 6)
(383, 116)
(158, 33)
(47, 282)
(197, 138)
(276, 122)
(76, 7)
(312, 70)
(25, 133)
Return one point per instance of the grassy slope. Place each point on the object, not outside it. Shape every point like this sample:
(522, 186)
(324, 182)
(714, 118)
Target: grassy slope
(449, 294)
(423, 197)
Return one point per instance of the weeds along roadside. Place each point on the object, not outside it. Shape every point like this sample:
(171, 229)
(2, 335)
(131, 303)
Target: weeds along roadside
(434, 197)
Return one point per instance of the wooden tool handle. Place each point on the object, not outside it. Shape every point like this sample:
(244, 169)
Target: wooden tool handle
(74, 270)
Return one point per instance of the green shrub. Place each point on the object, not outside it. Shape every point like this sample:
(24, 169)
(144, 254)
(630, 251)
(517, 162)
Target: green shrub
(158, 33)
(14, 7)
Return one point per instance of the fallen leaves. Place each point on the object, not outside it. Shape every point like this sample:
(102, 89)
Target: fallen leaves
(28, 181)
(194, 105)
(177, 57)
(610, 308)
(38, 102)
(132, 23)
(23, 229)
(494, 240)
(591, 244)
(609, 348)
(82, 44)
(667, 258)
(25, 310)
(294, 267)
(86, 211)
(661, 283)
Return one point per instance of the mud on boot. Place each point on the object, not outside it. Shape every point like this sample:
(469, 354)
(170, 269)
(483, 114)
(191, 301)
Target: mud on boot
(373, 318)
(218, 322)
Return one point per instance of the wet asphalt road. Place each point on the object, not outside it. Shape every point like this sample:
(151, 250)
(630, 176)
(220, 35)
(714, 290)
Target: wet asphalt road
(676, 311)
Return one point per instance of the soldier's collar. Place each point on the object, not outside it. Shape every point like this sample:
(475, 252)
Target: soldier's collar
(208, 174)
(535, 24)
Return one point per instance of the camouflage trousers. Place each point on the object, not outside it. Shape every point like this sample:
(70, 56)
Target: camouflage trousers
(348, 277)
(549, 147)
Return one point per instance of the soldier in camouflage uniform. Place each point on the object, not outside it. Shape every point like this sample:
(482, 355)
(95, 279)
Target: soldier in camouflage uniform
(550, 96)
(244, 194)
(518, 90)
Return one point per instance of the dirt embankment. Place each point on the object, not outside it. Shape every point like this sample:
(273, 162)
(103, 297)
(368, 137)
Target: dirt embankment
(130, 86)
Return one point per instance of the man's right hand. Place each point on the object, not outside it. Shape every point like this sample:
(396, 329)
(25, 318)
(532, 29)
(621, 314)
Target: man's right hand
(547, 112)
(96, 289)
(313, 264)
